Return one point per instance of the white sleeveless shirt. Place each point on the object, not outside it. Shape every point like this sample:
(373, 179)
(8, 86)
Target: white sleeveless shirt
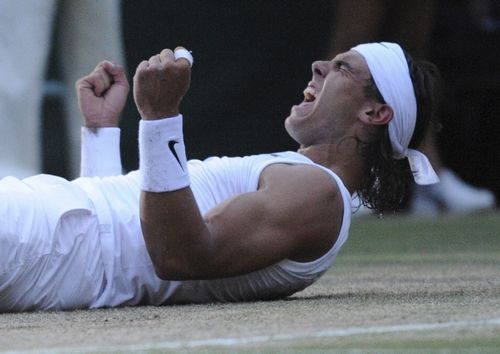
(130, 277)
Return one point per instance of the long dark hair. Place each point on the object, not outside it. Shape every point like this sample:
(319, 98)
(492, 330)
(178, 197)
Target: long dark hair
(386, 181)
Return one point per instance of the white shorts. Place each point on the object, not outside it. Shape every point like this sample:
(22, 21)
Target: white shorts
(50, 252)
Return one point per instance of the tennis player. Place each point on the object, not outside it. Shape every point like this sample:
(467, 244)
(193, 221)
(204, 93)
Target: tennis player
(223, 229)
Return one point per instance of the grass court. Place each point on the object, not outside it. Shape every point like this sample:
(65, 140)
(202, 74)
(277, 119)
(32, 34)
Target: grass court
(400, 284)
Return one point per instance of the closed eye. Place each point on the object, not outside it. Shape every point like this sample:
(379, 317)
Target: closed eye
(341, 65)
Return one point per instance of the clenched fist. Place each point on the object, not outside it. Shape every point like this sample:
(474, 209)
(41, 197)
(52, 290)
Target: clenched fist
(102, 95)
(160, 83)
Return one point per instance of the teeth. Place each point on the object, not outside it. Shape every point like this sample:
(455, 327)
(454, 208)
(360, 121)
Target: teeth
(309, 94)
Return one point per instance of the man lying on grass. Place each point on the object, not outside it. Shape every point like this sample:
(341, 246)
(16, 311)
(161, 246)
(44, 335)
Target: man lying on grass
(223, 229)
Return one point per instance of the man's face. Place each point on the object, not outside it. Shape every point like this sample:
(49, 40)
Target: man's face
(332, 100)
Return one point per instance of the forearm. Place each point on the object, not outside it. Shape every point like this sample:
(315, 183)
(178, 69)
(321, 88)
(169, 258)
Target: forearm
(101, 96)
(100, 152)
(175, 234)
(174, 231)
(173, 228)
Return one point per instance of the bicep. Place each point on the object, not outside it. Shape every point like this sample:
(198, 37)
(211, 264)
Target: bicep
(248, 233)
(280, 221)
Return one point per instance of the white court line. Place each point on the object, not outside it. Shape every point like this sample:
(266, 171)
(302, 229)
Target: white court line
(228, 342)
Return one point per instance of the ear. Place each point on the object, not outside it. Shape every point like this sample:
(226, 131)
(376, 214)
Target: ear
(376, 114)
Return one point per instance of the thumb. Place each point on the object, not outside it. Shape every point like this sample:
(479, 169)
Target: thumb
(116, 71)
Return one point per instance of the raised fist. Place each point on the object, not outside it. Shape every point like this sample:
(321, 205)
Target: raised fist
(160, 83)
(102, 95)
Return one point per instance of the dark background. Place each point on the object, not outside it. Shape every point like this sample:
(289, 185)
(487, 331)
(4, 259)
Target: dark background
(252, 62)
(469, 58)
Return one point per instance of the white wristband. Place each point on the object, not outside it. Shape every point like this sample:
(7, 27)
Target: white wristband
(162, 155)
(100, 154)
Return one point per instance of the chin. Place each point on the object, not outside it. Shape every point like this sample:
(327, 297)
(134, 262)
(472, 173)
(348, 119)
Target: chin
(294, 118)
(287, 125)
(291, 129)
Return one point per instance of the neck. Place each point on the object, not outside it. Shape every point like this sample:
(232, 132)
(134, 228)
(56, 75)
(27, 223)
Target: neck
(342, 158)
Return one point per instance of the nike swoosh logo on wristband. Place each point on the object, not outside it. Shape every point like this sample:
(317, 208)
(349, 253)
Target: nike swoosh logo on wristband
(171, 145)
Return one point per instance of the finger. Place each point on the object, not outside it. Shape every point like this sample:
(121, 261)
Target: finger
(112, 68)
(143, 65)
(98, 67)
(82, 85)
(101, 78)
(167, 55)
(90, 84)
(116, 71)
(102, 81)
(181, 54)
(155, 60)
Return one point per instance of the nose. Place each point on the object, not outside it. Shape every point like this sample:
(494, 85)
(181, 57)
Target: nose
(319, 68)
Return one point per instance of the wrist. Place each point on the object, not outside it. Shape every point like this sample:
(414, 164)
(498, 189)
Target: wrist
(100, 154)
(100, 122)
(162, 155)
(159, 114)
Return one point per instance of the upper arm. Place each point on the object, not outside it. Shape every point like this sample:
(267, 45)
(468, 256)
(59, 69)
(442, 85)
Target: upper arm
(295, 213)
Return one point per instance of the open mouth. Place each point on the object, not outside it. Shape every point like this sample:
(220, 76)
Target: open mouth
(309, 94)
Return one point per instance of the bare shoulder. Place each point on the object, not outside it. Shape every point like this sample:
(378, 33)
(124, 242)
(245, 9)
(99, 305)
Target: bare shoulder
(311, 181)
(312, 202)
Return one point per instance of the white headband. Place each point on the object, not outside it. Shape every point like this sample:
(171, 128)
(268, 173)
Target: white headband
(389, 69)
